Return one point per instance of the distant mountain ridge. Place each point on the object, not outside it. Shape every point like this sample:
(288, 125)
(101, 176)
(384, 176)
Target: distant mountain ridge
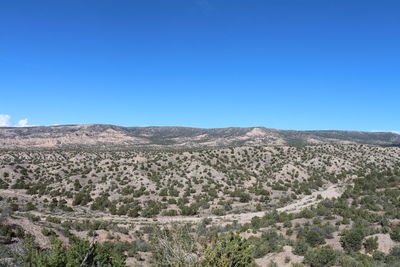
(112, 136)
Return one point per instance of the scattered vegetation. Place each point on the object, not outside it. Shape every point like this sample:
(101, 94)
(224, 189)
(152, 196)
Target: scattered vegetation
(177, 208)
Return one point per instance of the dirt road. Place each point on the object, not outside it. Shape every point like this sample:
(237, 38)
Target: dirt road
(332, 191)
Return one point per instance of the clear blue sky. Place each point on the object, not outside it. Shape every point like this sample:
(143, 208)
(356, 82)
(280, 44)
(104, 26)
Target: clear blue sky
(290, 64)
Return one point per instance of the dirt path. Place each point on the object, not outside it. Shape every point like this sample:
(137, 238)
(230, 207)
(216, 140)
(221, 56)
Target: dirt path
(14, 193)
(297, 206)
(332, 191)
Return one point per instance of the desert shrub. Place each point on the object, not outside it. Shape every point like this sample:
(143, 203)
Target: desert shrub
(190, 210)
(260, 249)
(8, 232)
(306, 213)
(355, 260)
(134, 211)
(289, 232)
(3, 184)
(263, 192)
(315, 235)
(100, 203)
(77, 185)
(30, 206)
(170, 213)
(48, 232)
(320, 257)
(163, 192)
(75, 255)
(352, 240)
(229, 250)
(112, 208)
(172, 201)
(268, 242)
(81, 198)
(378, 255)
(346, 221)
(152, 208)
(122, 210)
(218, 211)
(175, 246)
(14, 206)
(314, 238)
(347, 261)
(300, 247)
(53, 220)
(257, 222)
(371, 244)
(394, 256)
(173, 192)
(395, 234)
(243, 197)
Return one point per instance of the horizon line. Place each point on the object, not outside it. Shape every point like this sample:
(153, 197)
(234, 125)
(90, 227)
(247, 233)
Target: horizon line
(205, 128)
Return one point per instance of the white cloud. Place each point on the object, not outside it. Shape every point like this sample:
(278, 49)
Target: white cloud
(23, 123)
(5, 120)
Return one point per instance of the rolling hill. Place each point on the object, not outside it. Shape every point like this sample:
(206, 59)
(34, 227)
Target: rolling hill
(96, 136)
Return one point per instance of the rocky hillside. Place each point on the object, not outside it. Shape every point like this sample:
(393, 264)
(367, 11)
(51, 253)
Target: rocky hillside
(110, 136)
(320, 205)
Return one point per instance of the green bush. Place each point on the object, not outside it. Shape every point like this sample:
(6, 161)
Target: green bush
(53, 220)
(170, 213)
(229, 250)
(314, 238)
(395, 234)
(60, 256)
(81, 198)
(268, 242)
(352, 240)
(320, 257)
(48, 232)
(371, 244)
(394, 256)
(100, 203)
(378, 255)
(300, 247)
(347, 261)
(189, 210)
(151, 209)
(134, 211)
(218, 211)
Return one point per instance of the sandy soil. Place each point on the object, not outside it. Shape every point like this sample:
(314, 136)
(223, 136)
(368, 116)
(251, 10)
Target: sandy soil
(385, 243)
(279, 258)
(333, 191)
